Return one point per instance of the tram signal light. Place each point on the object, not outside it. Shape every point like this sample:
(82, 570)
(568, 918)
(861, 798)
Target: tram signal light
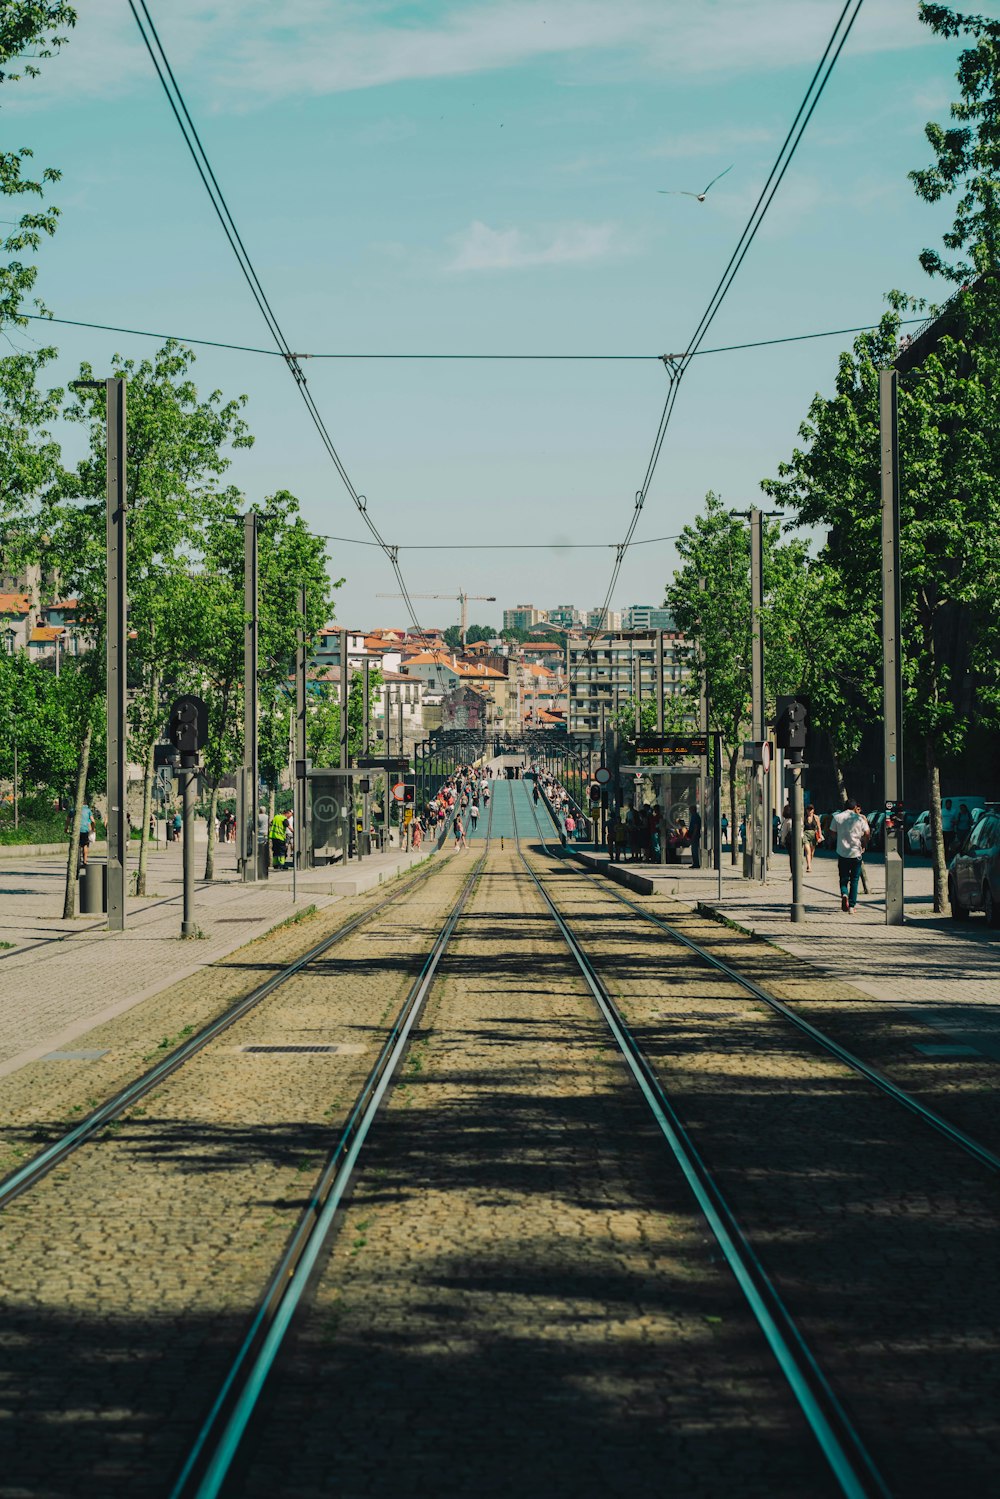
(409, 795)
(791, 727)
(595, 794)
(188, 726)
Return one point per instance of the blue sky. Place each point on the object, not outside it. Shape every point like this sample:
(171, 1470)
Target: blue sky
(482, 176)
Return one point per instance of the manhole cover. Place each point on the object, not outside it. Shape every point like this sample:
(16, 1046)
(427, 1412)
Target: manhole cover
(74, 1056)
(945, 1049)
(332, 1049)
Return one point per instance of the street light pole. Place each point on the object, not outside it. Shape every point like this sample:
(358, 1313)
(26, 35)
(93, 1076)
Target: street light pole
(251, 760)
(116, 633)
(892, 675)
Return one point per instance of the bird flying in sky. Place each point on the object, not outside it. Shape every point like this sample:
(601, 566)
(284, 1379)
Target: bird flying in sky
(680, 192)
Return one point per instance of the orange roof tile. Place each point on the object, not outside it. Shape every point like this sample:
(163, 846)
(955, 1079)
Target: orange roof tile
(14, 603)
(42, 633)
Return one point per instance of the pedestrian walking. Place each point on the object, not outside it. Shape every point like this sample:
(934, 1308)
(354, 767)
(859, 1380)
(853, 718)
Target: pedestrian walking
(725, 830)
(694, 834)
(86, 828)
(289, 838)
(570, 826)
(474, 815)
(852, 832)
(459, 832)
(178, 824)
(812, 835)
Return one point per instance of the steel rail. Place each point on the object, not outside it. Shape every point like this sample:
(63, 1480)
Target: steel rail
(951, 1132)
(210, 1459)
(842, 1447)
(26, 1176)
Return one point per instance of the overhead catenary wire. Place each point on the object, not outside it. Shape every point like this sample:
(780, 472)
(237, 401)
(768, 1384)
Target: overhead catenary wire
(528, 358)
(676, 365)
(192, 140)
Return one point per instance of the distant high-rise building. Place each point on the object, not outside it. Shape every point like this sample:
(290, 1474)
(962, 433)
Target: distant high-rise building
(566, 616)
(598, 620)
(616, 667)
(522, 617)
(648, 617)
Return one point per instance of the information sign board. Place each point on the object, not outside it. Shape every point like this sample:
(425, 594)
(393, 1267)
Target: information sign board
(654, 745)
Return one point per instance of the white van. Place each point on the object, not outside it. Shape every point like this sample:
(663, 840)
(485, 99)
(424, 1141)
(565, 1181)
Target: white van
(952, 805)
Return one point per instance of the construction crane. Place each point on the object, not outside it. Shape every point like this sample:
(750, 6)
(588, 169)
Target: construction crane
(463, 599)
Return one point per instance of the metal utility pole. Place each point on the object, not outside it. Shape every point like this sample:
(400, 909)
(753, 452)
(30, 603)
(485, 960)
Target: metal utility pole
(760, 820)
(116, 630)
(345, 741)
(706, 777)
(661, 788)
(892, 675)
(251, 758)
(303, 833)
(798, 911)
(366, 751)
(188, 927)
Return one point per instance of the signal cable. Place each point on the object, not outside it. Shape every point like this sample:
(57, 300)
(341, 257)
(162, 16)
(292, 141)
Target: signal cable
(192, 140)
(676, 366)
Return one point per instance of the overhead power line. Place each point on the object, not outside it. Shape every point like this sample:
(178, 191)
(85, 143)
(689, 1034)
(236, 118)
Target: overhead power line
(199, 156)
(500, 546)
(215, 343)
(677, 365)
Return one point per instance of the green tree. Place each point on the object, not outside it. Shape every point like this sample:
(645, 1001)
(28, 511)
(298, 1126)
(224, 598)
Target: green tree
(289, 558)
(177, 449)
(966, 155)
(716, 620)
(28, 29)
(949, 520)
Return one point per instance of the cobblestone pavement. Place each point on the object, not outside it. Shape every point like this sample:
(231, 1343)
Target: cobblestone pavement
(933, 969)
(132, 1269)
(521, 1300)
(875, 1229)
(60, 978)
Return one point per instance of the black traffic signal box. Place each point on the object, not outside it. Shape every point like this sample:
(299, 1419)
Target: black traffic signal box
(409, 795)
(791, 726)
(188, 726)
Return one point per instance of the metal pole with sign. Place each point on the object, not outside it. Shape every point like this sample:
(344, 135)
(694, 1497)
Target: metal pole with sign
(759, 812)
(892, 678)
(116, 645)
(251, 764)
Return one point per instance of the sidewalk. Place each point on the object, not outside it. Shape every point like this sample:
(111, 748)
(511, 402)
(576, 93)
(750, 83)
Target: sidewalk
(933, 969)
(59, 978)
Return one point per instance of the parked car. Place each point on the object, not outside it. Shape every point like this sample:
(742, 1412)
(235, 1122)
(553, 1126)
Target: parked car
(919, 835)
(974, 872)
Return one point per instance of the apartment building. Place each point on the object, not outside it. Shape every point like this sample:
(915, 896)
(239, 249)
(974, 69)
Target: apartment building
(647, 617)
(618, 666)
(523, 616)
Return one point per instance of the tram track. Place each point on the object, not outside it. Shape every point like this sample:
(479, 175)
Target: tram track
(215, 1448)
(146, 1199)
(979, 1152)
(114, 1107)
(839, 1440)
(807, 1135)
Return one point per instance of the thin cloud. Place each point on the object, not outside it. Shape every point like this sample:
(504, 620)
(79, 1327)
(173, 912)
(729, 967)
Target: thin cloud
(243, 54)
(480, 248)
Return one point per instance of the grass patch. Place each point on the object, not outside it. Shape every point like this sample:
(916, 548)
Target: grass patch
(168, 1043)
(7, 944)
(292, 920)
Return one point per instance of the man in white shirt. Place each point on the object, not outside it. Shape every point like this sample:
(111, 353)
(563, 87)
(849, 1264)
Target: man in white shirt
(852, 833)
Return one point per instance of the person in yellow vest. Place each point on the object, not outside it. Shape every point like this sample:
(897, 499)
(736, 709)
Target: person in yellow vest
(278, 840)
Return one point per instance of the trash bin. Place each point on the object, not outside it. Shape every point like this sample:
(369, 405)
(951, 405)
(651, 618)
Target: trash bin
(263, 861)
(93, 889)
